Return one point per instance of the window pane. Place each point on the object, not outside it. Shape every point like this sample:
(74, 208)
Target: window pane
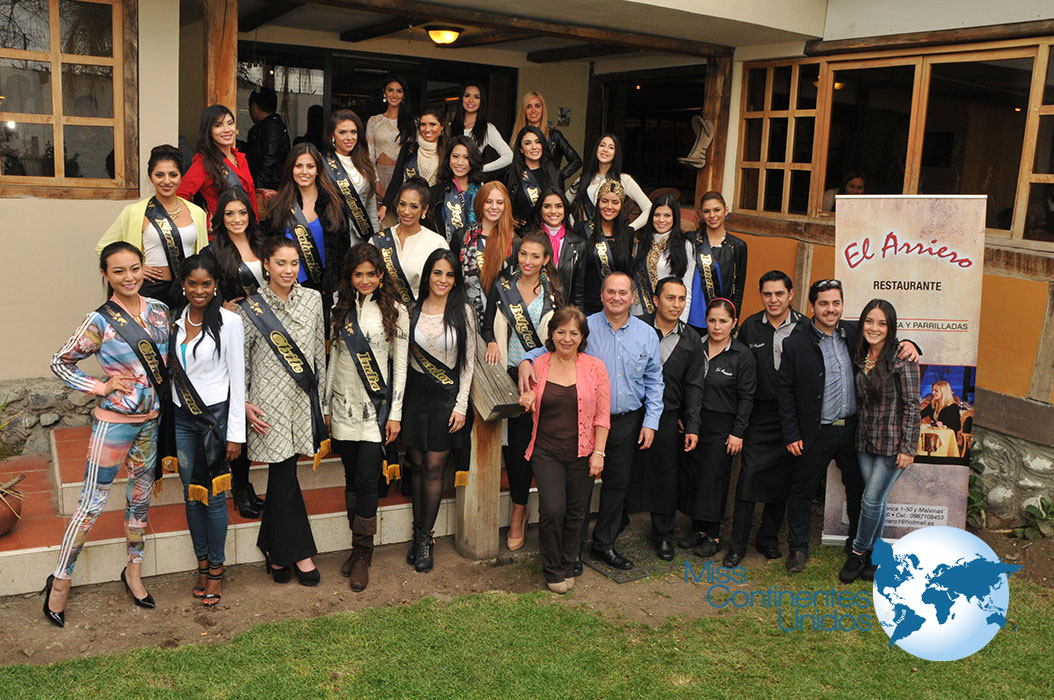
(87, 91)
(89, 151)
(1039, 219)
(778, 140)
(756, 89)
(799, 194)
(870, 116)
(1048, 91)
(748, 192)
(781, 87)
(975, 128)
(27, 149)
(24, 25)
(803, 135)
(752, 145)
(773, 190)
(1044, 162)
(26, 86)
(808, 78)
(86, 28)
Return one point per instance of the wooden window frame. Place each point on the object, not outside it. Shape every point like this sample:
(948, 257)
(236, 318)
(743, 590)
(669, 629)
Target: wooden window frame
(123, 63)
(1038, 49)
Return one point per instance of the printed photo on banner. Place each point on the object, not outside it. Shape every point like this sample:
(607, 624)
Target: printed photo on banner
(946, 403)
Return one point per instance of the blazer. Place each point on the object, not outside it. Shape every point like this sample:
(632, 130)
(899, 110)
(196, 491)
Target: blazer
(570, 257)
(594, 399)
(128, 226)
(683, 375)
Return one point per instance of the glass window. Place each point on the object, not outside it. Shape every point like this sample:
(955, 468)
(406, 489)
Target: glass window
(24, 25)
(86, 28)
(756, 89)
(808, 82)
(87, 91)
(781, 88)
(799, 193)
(975, 128)
(1039, 217)
(1048, 90)
(748, 193)
(89, 151)
(26, 149)
(804, 128)
(1044, 162)
(777, 140)
(773, 190)
(752, 144)
(25, 86)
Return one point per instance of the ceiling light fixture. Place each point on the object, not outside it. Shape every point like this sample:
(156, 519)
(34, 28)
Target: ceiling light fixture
(443, 36)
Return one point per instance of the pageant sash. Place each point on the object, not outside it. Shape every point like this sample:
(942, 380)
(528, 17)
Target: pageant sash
(352, 202)
(295, 363)
(709, 267)
(457, 212)
(645, 291)
(167, 231)
(142, 344)
(448, 379)
(232, 178)
(603, 258)
(410, 167)
(512, 306)
(305, 243)
(247, 280)
(385, 242)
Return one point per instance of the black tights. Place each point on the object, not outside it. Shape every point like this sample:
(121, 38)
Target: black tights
(362, 469)
(426, 484)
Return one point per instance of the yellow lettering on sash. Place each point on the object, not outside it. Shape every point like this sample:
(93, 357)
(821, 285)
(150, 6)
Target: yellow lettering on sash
(706, 262)
(605, 263)
(523, 325)
(286, 350)
(152, 361)
(533, 193)
(303, 237)
(367, 369)
(440, 376)
(456, 220)
(404, 294)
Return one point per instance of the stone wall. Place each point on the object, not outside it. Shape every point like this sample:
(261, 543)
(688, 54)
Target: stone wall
(30, 408)
(1016, 473)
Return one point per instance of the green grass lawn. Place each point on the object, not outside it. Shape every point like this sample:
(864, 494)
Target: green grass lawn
(499, 645)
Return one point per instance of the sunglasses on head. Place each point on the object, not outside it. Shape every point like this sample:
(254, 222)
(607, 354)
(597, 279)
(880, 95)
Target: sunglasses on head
(824, 285)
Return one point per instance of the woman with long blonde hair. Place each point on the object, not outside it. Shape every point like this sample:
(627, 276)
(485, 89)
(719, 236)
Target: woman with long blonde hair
(487, 249)
(943, 409)
(533, 112)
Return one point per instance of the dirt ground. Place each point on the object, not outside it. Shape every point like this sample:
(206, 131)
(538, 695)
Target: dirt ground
(102, 619)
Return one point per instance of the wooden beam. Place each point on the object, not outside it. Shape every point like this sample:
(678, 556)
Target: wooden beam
(489, 39)
(1043, 370)
(478, 502)
(221, 52)
(574, 53)
(803, 275)
(479, 18)
(267, 14)
(382, 28)
(912, 40)
(717, 98)
(1021, 418)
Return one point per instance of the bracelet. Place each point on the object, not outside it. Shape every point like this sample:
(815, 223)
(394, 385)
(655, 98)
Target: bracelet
(598, 452)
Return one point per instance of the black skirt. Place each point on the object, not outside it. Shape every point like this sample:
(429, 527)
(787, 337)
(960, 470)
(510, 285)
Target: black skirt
(653, 479)
(705, 472)
(167, 291)
(767, 468)
(426, 415)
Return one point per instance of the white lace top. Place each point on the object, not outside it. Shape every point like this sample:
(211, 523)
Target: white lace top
(382, 138)
(441, 343)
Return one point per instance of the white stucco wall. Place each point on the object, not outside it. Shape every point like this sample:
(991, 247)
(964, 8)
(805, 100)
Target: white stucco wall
(849, 19)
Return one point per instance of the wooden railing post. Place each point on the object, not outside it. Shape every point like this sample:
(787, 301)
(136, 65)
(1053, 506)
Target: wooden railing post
(478, 503)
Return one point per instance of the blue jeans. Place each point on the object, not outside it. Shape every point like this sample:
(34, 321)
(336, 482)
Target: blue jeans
(208, 525)
(880, 473)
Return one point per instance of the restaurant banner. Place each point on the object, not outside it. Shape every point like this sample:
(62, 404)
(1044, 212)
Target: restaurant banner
(925, 255)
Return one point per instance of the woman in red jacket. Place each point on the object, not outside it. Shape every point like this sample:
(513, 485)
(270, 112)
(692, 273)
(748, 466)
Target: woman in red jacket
(217, 164)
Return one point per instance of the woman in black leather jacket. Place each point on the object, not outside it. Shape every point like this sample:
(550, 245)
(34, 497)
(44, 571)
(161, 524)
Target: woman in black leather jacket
(533, 112)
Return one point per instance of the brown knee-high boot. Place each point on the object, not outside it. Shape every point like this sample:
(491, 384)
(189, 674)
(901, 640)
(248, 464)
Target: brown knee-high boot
(349, 503)
(362, 532)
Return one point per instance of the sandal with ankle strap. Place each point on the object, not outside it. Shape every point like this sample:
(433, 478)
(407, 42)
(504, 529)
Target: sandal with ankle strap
(199, 591)
(211, 599)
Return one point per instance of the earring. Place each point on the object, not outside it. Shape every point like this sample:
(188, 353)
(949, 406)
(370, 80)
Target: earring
(384, 99)
(380, 285)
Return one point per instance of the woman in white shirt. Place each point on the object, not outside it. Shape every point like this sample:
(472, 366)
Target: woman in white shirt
(442, 355)
(470, 119)
(388, 131)
(662, 251)
(605, 163)
(207, 342)
(405, 246)
(364, 393)
(351, 169)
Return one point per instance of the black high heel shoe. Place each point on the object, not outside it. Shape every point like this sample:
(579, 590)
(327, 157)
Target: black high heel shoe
(282, 574)
(307, 578)
(145, 602)
(56, 618)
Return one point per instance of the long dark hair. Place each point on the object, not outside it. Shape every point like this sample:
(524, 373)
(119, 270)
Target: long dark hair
(479, 129)
(620, 231)
(208, 149)
(360, 154)
(546, 165)
(546, 193)
(475, 160)
(444, 136)
(592, 166)
(384, 295)
(406, 122)
(675, 252)
(212, 320)
(454, 316)
(228, 259)
(332, 213)
(551, 276)
(878, 376)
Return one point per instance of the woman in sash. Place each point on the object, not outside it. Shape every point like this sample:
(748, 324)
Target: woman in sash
(487, 248)
(720, 262)
(442, 338)
(532, 171)
(129, 337)
(609, 244)
(217, 164)
(350, 168)
(730, 377)
(605, 163)
(470, 119)
(460, 175)
(208, 394)
(406, 246)
(519, 307)
(165, 227)
(533, 112)
(662, 251)
(285, 364)
(309, 210)
(567, 245)
(388, 131)
(417, 158)
(364, 392)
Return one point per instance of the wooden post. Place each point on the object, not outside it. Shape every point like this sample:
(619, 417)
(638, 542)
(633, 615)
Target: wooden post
(803, 276)
(221, 53)
(478, 503)
(716, 102)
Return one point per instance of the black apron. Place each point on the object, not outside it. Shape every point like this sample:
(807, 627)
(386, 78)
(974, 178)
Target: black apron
(767, 466)
(706, 471)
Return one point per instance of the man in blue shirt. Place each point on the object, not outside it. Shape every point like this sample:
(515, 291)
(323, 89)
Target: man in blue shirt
(629, 349)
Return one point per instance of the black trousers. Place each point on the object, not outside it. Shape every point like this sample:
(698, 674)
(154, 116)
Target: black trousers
(743, 520)
(563, 499)
(362, 470)
(285, 532)
(621, 450)
(835, 442)
(517, 466)
(240, 471)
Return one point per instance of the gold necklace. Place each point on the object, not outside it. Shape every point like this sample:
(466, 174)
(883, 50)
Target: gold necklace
(175, 212)
(869, 364)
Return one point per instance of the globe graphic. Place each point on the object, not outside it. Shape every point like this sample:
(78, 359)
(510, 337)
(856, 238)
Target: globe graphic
(940, 593)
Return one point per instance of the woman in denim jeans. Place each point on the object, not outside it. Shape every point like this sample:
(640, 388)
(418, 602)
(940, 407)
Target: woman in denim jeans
(208, 343)
(888, 422)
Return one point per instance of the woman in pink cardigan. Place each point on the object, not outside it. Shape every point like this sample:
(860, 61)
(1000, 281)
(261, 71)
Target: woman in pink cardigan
(572, 413)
